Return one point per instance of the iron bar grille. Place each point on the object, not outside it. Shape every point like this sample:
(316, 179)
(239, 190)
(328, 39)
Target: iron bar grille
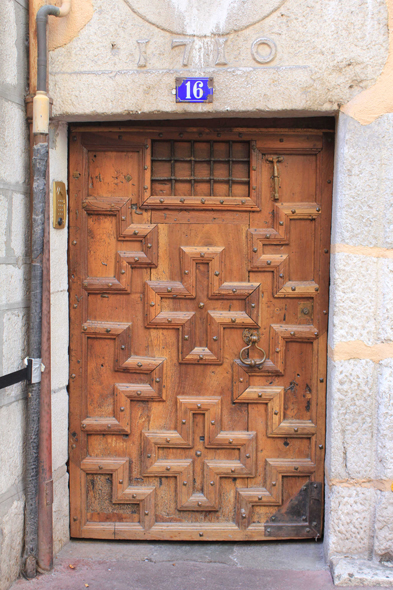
(200, 168)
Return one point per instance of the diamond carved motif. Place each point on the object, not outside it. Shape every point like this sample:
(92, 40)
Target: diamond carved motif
(216, 321)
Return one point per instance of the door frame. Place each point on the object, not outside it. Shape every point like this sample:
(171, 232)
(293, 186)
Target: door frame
(295, 125)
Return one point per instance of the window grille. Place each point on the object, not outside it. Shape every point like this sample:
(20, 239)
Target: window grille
(200, 168)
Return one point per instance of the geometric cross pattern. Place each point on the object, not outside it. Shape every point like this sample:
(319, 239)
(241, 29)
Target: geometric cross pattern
(125, 392)
(242, 442)
(280, 235)
(216, 321)
(146, 234)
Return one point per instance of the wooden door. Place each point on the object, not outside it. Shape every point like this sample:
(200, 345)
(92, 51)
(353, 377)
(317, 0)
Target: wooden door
(183, 243)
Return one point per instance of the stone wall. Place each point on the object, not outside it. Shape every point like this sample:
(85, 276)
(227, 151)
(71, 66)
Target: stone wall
(359, 467)
(14, 272)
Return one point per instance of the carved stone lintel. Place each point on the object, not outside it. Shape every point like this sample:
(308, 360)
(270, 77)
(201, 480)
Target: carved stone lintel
(142, 45)
(221, 60)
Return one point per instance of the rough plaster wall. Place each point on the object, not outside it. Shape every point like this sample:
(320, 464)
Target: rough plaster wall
(59, 347)
(327, 52)
(14, 283)
(359, 468)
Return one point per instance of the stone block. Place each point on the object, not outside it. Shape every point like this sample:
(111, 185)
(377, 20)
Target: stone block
(13, 345)
(11, 543)
(354, 299)
(20, 228)
(59, 429)
(12, 428)
(383, 539)
(360, 572)
(18, 391)
(362, 215)
(352, 390)
(14, 339)
(14, 283)
(8, 50)
(61, 529)
(14, 154)
(3, 224)
(349, 521)
(384, 427)
(385, 288)
(59, 339)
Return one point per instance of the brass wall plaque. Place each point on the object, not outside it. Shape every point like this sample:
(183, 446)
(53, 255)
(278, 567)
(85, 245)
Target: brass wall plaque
(59, 205)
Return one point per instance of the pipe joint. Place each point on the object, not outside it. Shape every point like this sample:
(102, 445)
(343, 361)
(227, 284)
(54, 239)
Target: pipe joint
(45, 11)
(41, 113)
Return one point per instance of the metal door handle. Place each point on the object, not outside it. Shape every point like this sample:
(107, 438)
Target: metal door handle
(251, 338)
(276, 174)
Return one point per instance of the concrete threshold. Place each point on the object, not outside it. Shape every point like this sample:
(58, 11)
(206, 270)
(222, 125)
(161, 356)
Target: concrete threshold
(115, 565)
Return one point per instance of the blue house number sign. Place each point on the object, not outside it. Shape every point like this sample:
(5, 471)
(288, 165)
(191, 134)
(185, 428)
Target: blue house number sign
(194, 89)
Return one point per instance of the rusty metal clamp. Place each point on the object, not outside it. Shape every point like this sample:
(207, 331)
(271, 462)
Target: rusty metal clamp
(251, 337)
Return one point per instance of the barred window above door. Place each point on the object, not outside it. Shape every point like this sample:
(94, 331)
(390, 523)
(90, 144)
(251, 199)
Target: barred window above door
(200, 168)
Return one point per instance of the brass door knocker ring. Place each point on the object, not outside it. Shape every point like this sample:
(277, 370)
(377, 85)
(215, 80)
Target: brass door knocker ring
(251, 337)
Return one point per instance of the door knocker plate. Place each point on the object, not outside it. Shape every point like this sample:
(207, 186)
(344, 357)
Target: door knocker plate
(249, 334)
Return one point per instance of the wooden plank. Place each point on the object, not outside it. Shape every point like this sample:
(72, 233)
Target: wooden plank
(78, 442)
(204, 217)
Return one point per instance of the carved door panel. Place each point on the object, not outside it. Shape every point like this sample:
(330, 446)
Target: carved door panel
(183, 242)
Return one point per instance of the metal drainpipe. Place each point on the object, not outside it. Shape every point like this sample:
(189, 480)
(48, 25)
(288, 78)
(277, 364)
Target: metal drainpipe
(38, 468)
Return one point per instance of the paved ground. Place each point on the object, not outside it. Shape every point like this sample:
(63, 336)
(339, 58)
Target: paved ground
(99, 565)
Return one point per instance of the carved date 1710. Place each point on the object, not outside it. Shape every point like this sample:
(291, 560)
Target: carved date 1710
(219, 51)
